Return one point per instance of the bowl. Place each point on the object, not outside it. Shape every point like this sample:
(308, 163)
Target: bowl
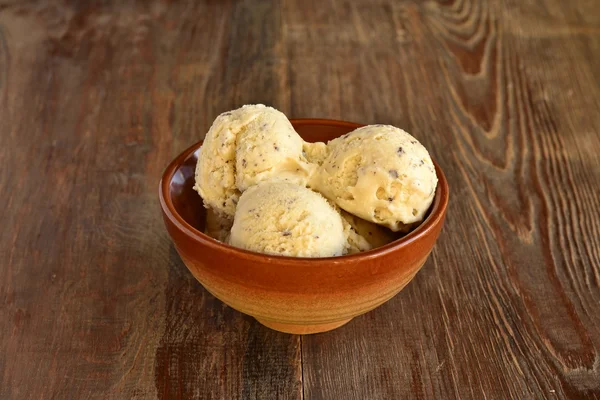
(288, 294)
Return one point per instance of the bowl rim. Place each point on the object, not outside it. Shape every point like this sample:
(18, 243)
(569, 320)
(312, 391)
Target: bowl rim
(436, 215)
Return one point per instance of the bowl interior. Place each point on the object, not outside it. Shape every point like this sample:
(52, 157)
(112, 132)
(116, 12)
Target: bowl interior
(188, 203)
(186, 200)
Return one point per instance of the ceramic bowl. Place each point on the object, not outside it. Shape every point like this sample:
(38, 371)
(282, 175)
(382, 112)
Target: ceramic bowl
(294, 295)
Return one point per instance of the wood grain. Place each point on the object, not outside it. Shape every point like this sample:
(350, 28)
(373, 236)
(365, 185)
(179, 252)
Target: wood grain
(97, 97)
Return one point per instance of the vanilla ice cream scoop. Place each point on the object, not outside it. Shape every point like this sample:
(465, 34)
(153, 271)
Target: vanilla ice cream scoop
(270, 149)
(246, 146)
(288, 219)
(379, 173)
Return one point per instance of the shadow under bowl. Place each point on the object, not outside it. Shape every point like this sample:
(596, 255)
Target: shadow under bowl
(288, 294)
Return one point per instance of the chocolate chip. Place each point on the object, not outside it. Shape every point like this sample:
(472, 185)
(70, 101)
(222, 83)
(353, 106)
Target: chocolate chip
(244, 163)
(422, 162)
(413, 141)
(400, 150)
(393, 173)
(390, 199)
(286, 233)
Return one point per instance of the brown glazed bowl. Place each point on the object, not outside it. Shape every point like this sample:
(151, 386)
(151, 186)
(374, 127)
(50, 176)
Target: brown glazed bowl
(294, 295)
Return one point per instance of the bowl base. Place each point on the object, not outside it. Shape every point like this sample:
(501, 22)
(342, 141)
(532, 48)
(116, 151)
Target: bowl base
(302, 329)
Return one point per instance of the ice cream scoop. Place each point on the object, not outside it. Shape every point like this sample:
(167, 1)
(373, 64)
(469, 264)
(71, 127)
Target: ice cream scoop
(246, 146)
(288, 219)
(379, 173)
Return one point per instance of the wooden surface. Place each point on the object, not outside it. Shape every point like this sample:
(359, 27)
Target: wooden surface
(97, 97)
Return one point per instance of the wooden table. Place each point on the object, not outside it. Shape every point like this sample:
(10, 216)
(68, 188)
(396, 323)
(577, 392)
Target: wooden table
(97, 97)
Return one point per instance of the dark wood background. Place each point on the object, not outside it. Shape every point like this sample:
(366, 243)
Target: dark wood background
(96, 97)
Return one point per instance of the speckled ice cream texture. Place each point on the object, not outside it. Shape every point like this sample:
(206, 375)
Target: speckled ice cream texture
(373, 234)
(217, 226)
(287, 219)
(246, 146)
(379, 173)
(315, 153)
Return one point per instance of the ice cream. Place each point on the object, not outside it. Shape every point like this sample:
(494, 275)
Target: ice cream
(355, 241)
(246, 146)
(217, 226)
(270, 149)
(315, 153)
(379, 173)
(263, 185)
(374, 235)
(288, 219)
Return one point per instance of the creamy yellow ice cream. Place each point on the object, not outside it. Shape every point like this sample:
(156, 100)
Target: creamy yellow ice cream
(379, 173)
(270, 149)
(379, 176)
(288, 219)
(355, 242)
(245, 146)
(217, 226)
(374, 235)
(315, 153)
